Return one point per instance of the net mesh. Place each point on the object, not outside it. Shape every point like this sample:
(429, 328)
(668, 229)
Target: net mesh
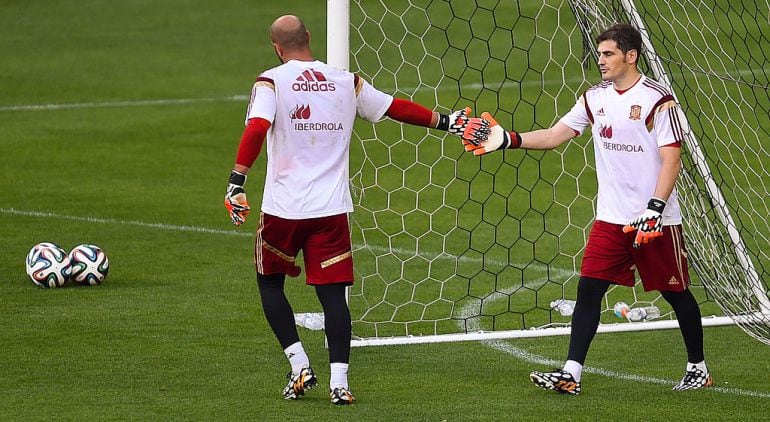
(445, 242)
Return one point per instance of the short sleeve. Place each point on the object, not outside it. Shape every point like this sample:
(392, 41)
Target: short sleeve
(577, 118)
(262, 103)
(669, 123)
(371, 104)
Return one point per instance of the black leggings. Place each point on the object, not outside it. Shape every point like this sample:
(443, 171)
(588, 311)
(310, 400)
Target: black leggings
(585, 319)
(336, 321)
(280, 316)
(688, 314)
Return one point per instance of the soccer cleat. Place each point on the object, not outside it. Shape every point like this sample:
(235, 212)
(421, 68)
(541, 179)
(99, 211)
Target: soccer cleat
(559, 380)
(299, 383)
(693, 379)
(341, 396)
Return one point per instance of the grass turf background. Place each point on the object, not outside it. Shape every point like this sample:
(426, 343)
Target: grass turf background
(176, 332)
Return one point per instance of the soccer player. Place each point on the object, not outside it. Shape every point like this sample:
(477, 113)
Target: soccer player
(637, 131)
(304, 110)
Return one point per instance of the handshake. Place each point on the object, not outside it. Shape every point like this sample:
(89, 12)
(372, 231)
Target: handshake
(480, 135)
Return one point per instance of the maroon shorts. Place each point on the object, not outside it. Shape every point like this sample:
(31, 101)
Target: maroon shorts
(662, 263)
(324, 241)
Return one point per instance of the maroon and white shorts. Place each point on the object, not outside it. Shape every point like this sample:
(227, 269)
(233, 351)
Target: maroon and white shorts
(324, 241)
(661, 264)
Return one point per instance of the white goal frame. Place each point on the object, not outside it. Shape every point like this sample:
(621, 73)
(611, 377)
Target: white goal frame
(700, 163)
(338, 51)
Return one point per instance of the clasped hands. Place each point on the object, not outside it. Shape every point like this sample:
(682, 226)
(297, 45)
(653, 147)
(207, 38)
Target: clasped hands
(481, 135)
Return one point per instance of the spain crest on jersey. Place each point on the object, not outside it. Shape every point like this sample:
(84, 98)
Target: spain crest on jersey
(636, 112)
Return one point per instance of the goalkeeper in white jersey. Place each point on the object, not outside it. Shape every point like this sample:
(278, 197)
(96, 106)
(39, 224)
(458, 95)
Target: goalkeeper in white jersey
(304, 110)
(637, 129)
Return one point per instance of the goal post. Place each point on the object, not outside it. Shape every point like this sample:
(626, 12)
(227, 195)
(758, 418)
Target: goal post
(450, 247)
(704, 172)
(338, 33)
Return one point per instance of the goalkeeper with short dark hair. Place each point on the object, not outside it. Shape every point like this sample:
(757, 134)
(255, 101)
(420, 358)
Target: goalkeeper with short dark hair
(637, 129)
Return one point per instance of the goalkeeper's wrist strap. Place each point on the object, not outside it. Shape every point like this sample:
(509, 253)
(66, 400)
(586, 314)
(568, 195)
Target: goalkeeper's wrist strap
(656, 205)
(238, 179)
(443, 122)
(515, 140)
(511, 140)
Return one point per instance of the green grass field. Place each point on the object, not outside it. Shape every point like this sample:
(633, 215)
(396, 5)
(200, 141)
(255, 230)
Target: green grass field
(119, 123)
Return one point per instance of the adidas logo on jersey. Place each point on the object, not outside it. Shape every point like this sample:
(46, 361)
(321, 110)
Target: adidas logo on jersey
(600, 112)
(312, 81)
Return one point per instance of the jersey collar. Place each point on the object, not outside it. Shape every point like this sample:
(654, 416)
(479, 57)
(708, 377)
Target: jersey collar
(623, 91)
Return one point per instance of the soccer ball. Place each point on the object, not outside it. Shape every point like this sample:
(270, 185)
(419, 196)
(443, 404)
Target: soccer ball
(48, 265)
(89, 264)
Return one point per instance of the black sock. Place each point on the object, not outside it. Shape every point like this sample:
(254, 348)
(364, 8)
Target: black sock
(688, 314)
(277, 308)
(336, 321)
(585, 319)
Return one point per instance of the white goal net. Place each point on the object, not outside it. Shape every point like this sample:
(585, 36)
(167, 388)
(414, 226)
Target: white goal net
(446, 243)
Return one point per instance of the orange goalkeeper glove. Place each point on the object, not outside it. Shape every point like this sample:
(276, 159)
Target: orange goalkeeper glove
(498, 138)
(235, 198)
(649, 225)
(470, 129)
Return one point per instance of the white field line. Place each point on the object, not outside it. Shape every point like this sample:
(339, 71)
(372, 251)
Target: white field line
(127, 103)
(234, 232)
(244, 98)
(521, 354)
(496, 344)
(524, 355)
(161, 226)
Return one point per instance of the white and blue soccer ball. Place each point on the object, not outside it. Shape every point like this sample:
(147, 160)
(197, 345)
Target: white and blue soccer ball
(89, 264)
(48, 265)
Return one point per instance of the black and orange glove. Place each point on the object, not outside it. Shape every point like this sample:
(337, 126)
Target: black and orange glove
(471, 130)
(649, 225)
(498, 138)
(235, 198)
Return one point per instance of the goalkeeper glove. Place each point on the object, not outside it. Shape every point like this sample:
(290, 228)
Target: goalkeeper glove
(235, 198)
(498, 138)
(649, 225)
(470, 129)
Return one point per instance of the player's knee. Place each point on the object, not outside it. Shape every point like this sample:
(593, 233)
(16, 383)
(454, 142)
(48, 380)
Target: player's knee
(271, 280)
(676, 298)
(331, 291)
(592, 288)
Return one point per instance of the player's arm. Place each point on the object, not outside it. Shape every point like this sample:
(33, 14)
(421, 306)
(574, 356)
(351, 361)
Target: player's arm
(547, 138)
(259, 116)
(372, 104)
(501, 139)
(248, 150)
(458, 123)
(649, 225)
(570, 126)
(667, 127)
(671, 164)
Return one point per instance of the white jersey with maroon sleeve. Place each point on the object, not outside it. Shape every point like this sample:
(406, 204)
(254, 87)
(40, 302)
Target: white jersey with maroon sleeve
(312, 107)
(628, 128)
